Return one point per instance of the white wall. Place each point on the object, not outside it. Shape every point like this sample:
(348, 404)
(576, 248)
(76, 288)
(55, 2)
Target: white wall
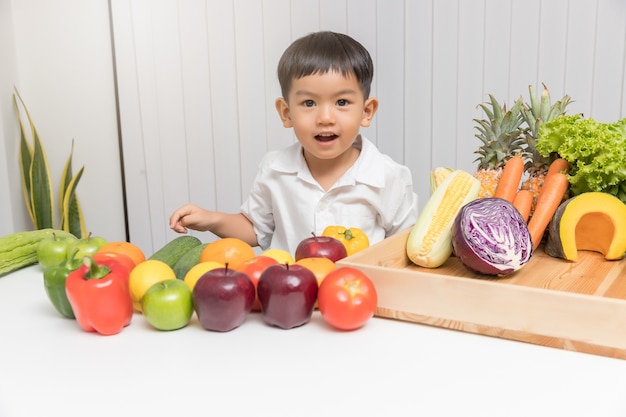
(13, 214)
(59, 56)
(197, 83)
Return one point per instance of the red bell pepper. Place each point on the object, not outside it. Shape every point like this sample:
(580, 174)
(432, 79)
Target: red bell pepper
(99, 296)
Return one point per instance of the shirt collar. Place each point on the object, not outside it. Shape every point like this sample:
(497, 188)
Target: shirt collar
(367, 169)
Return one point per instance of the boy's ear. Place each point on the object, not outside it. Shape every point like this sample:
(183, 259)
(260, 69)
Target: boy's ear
(283, 111)
(369, 110)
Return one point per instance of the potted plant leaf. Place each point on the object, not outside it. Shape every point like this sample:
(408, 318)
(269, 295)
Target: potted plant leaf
(37, 184)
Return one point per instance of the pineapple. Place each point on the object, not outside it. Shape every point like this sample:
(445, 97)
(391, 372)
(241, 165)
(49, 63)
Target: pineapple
(502, 137)
(537, 112)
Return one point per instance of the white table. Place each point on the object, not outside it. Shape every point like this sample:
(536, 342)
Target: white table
(49, 367)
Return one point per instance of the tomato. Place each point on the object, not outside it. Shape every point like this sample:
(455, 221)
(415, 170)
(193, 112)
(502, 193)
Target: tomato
(347, 298)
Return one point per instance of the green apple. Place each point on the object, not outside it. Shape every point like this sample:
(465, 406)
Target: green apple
(54, 250)
(86, 246)
(168, 305)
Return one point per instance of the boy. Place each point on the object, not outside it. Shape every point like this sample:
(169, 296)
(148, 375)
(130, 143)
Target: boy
(332, 175)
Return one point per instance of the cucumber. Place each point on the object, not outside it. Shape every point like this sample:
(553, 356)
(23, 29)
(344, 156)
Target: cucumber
(188, 261)
(19, 250)
(175, 249)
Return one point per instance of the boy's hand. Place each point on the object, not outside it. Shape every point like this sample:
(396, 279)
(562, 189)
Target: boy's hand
(189, 216)
(221, 224)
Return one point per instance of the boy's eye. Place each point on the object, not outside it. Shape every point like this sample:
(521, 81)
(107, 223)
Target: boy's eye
(308, 103)
(342, 102)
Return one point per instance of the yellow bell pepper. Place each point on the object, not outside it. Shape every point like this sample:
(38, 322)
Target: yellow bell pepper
(353, 239)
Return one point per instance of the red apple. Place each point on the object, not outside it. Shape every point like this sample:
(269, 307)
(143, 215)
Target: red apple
(321, 247)
(287, 293)
(222, 298)
(254, 267)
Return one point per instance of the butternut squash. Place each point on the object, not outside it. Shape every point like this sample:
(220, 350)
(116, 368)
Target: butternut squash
(591, 221)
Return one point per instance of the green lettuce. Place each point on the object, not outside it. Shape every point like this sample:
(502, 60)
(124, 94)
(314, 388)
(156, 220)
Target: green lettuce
(595, 151)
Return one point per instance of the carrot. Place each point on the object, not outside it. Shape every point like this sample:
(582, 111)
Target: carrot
(549, 199)
(510, 179)
(558, 165)
(523, 202)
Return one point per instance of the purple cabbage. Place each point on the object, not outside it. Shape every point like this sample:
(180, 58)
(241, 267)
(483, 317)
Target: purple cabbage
(490, 237)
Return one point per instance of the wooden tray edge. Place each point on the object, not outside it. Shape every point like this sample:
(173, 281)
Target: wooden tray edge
(548, 317)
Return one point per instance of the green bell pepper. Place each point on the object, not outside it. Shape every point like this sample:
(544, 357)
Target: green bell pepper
(54, 281)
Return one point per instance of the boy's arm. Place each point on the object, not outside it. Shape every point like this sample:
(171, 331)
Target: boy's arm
(234, 225)
(221, 224)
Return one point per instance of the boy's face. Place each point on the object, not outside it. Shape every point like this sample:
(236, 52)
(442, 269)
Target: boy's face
(326, 112)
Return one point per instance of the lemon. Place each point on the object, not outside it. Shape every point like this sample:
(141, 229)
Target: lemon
(195, 273)
(281, 256)
(144, 275)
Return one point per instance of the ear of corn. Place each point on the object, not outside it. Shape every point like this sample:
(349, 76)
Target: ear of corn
(430, 241)
(437, 175)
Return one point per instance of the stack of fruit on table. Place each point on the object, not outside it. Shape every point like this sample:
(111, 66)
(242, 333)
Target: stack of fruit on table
(102, 285)
(542, 177)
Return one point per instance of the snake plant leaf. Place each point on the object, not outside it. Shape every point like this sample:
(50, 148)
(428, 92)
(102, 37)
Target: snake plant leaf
(40, 198)
(66, 177)
(26, 157)
(75, 223)
(73, 220)
(37, 183)
(71, 213)
(41, 195)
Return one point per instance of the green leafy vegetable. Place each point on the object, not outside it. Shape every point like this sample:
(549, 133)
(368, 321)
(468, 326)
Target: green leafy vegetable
(595, 151)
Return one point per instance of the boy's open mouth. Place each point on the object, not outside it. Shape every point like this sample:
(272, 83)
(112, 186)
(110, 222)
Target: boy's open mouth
(326, 137)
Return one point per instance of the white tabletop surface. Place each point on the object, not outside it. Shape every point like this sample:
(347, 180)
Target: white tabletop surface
(50, 367)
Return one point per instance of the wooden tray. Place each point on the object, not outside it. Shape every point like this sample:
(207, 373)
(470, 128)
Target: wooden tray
(578, 306)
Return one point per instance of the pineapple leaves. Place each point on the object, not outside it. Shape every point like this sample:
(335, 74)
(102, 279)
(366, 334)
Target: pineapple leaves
(504, 133)
(544, 107)
(37, 186)
(501, 133)
(541, 109)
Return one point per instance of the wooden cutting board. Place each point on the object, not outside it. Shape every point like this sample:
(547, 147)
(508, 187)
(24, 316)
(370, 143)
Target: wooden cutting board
(578, 306)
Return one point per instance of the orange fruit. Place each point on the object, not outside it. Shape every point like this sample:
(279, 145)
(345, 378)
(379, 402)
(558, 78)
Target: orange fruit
(228, 250)
(144, 275)
(131, 250)
(253, 268)
(319, 266)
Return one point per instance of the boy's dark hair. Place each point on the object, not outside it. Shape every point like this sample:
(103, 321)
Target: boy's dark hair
(320, 52)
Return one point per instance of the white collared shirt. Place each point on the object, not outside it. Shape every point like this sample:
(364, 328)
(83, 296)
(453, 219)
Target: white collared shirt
(287, 205)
